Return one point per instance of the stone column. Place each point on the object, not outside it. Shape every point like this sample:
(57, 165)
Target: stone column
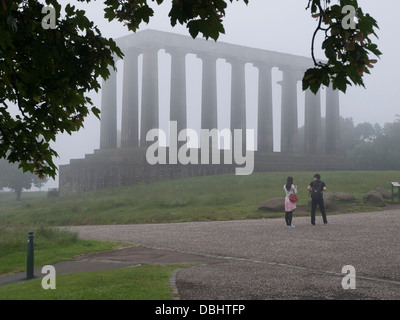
(312, 123)
(238, 98)
(289, 120)
(108, 126)
(150, 113)
(265, 126)
(332, 121)
(130, 101)
(209, 118)
(178, 111)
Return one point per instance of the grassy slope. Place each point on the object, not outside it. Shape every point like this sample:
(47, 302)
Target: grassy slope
(51, 245)
(221, 197)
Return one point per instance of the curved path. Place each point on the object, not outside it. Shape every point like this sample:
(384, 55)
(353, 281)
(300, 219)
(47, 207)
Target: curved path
(262, 259)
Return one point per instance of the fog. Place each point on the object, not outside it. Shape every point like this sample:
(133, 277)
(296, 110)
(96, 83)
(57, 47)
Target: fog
(283, 26)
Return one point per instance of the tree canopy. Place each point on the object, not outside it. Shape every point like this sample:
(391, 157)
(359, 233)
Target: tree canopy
(47, 69)
(12, 177)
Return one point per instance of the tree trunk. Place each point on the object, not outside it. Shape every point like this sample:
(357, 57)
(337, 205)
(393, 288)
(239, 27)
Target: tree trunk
(18, 191)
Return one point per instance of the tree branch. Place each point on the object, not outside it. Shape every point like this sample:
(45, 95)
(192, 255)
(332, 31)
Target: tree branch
(4, 5)
(315, 33)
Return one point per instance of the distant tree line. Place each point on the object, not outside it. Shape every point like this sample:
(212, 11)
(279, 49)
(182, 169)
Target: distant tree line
(369, 146)
(378, 147)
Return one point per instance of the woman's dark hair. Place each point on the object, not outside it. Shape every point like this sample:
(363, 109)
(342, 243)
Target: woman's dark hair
(289, 183)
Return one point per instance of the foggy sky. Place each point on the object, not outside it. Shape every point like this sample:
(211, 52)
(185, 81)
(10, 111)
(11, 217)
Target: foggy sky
(283, 26)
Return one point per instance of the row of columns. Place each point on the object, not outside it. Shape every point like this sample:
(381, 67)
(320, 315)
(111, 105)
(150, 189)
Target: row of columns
(150, 104)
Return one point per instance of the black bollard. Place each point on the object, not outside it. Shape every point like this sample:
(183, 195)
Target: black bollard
(29, 261)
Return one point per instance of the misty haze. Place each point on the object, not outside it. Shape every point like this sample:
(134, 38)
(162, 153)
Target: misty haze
(210, 174)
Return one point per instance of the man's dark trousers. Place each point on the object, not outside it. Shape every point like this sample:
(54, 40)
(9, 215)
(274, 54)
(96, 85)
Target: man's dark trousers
(318, 202)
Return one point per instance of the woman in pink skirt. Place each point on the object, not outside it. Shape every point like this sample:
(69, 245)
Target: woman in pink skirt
(289, 188)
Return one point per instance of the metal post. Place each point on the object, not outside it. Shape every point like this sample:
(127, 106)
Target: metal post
(29, 263)
(395, 184)
(392, 191)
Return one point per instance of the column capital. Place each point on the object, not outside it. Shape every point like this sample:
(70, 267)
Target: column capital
(235, 60)
(206, 56)
(149, 48)
(176, 50)
(262, 64)
(131, 51)
(292, 73)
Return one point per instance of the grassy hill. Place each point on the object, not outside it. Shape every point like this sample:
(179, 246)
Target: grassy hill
(222, 197)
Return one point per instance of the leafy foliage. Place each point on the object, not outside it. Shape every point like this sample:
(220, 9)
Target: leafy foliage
(47, 74)
(200, 16)
(347, 49)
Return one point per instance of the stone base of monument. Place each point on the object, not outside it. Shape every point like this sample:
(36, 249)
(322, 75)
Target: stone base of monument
(109, 168)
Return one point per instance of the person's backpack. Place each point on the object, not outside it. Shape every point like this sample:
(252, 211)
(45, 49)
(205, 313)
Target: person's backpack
(316, 190)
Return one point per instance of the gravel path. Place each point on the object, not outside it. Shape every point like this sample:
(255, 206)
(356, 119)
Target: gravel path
(262, 259)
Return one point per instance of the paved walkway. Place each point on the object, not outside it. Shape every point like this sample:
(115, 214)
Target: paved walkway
(116, 259)
(262, 259)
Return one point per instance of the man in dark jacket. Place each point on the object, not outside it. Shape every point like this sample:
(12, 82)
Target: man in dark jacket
(316, 188)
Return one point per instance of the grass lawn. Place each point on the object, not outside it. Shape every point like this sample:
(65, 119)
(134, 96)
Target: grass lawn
(51, 245)
(148, 282)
